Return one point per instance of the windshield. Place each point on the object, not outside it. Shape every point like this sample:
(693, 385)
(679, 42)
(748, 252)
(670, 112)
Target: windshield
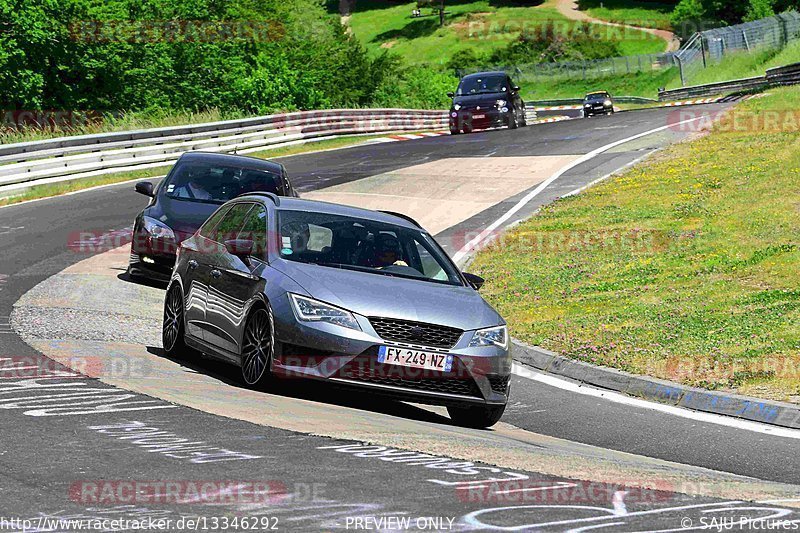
(204, 182)
(482, 85)
(597, 96)
(363, 245)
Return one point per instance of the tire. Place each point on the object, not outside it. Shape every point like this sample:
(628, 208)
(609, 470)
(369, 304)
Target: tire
(454, 131)
(524, 122)
(172, 329)
(467, 129)
(513, 122)
(478, 417)
(258, 348)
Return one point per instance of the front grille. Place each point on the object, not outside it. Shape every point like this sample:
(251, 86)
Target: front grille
(499, 384)
(417, 333)
(388, 375)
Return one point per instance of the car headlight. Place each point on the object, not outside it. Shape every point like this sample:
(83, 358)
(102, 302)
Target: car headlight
(157, 229)
(310, 310)
(587, 105)
(501, 103)
(607, 102)
(497, 336)
(456, 106)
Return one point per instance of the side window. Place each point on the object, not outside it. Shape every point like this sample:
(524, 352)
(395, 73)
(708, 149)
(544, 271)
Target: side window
(430, 267)
(255, 229)
(207, 228)
(229, 226)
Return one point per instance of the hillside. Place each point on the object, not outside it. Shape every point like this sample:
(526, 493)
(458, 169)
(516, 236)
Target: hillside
(480, 26)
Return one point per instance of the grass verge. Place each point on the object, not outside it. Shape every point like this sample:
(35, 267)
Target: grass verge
(683, 268)
(36, 192)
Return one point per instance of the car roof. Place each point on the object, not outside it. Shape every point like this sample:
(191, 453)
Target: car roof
(232, 159)
(483, 74)
(594, 93)
(299, 204)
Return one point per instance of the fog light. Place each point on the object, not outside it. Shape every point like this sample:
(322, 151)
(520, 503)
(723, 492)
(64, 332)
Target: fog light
(148, 260)
(504, 110)
(454, 114)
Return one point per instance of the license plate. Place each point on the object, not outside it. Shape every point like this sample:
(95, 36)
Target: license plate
(478, 116)
(415, 358)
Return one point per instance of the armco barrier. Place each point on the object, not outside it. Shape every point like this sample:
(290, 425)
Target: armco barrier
(785, 75)
(66, 158)
(92, 155)
(746, 84)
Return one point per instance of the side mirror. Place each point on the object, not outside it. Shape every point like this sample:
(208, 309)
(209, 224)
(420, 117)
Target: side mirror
(145, 188)
(515, 88)
(476, 282)
(451, 95)
(241, 248)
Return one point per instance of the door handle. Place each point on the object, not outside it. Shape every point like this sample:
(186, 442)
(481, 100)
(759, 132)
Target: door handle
(192, 264)
(215, 273)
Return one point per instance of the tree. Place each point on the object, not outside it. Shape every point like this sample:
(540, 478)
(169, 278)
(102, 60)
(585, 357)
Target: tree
(759, 9)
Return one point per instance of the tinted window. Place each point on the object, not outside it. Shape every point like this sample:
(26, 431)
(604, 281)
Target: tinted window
(207, 228)
(202, 182)
(231, 224)
(363, 245)
(486, 84)
(255, 229)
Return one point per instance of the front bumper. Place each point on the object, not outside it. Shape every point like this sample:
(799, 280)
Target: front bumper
(479, 375)
(597, 110)
(151, 258)
(489, 118)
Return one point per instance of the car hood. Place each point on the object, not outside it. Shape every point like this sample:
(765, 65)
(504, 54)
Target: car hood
(184, 217)
(373, 295)
(487, 99)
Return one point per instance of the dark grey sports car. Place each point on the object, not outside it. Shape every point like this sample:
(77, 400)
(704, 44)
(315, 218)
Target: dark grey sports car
(297, 288)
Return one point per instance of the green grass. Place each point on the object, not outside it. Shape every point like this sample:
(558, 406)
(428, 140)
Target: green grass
(57, 189)
(743, 65)
(647, 14)
(639, 84)
(684, 267)
(481, 25)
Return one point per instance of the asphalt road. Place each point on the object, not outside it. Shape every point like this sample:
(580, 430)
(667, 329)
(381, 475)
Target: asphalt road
(51, 460)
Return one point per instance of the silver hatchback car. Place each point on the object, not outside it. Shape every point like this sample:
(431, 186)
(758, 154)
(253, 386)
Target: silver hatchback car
(285, 287)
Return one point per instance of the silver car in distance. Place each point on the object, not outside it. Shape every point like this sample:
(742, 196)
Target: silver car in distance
(292, 288)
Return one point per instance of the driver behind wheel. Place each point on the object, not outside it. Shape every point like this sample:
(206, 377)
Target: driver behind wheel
(387, 251)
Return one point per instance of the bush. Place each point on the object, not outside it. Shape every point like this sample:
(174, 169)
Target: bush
(548, 45)
(417, 87)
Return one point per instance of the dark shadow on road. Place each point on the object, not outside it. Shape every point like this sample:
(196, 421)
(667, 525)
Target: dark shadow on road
(306, 389)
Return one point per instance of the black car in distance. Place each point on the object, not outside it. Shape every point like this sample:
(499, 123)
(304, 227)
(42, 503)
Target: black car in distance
(598, 103)
(195, 187)
(486, 100)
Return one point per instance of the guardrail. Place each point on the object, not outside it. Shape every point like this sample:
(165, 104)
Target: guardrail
(80, 156)
(785, 75)
(575, 101)
(746, 84)
(67, 158)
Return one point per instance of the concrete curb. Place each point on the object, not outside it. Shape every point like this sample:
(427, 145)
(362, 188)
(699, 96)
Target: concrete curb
(656, 390)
